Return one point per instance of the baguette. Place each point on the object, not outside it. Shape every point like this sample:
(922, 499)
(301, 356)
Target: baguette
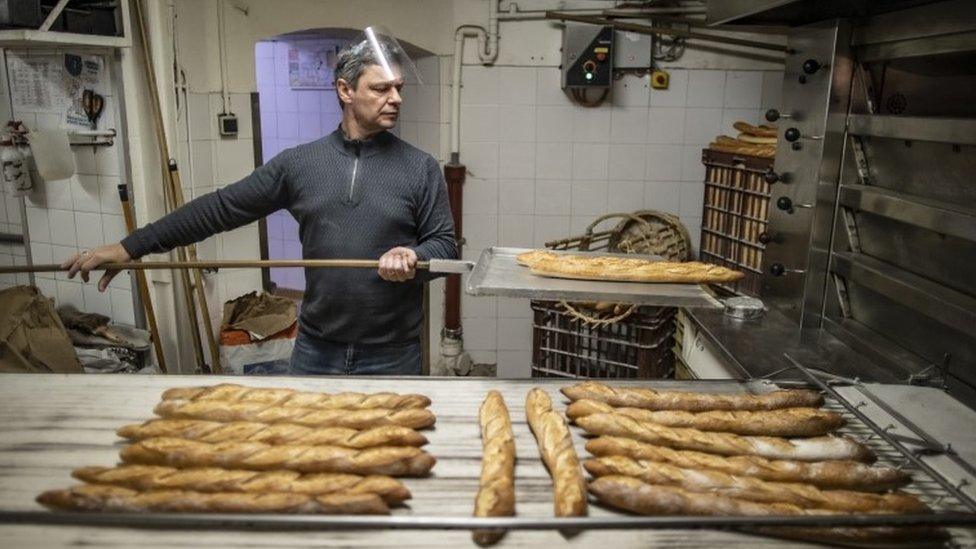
(276, 433)
(94, 497)
(633, 270)
(759, 131)
(210, 479)
(756, 139)
(644, 397)
(229, 392)
(849, 475)
(215, 410)
(556, 449)
(496, 491)
(641, 498)
(728, 444)
(255, 456)
(753, 489)
(786, 422)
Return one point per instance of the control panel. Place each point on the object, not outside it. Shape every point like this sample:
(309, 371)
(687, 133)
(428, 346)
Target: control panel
(587, 60)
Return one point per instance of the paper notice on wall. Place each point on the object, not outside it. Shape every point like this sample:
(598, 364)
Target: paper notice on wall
(310, 66)
(35, 82)
(81, 72)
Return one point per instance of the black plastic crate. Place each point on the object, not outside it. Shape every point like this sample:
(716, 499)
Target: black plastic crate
(639, 346)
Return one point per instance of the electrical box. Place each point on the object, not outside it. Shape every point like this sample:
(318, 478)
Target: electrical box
(587, 56)
(631, 50)
(227, 123)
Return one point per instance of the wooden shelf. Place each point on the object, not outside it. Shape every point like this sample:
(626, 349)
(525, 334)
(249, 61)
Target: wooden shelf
(32, 38)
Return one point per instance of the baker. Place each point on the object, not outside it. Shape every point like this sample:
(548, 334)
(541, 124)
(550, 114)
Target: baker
(359, 192)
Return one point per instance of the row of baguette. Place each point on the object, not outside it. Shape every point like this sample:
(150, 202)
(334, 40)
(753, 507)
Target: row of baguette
(235, 449)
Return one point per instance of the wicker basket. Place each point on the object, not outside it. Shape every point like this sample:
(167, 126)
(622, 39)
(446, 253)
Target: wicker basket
(639, 344)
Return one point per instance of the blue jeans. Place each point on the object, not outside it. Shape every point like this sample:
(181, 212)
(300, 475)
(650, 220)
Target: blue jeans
(316, 357)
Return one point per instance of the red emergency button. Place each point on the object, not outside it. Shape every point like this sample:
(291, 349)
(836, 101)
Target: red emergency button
(601, 57)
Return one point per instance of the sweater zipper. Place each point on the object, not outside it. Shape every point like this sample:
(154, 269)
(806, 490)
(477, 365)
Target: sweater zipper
(355, 168)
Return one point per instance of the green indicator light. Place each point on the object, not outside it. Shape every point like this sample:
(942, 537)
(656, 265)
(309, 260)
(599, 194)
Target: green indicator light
(589, 76)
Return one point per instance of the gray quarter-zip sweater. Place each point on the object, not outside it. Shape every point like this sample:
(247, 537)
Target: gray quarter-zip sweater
(352, 200)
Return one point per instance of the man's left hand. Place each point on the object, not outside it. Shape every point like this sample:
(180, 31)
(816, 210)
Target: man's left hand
(398, 264)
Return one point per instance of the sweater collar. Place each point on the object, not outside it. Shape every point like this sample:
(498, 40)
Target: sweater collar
(365, 147)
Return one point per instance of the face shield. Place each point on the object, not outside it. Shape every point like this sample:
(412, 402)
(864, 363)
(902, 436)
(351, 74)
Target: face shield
(382, 48)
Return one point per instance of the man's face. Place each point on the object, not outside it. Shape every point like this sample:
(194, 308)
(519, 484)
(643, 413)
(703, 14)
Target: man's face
(376, 100)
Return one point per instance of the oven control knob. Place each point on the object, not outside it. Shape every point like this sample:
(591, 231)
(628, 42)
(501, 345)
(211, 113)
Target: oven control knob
(810, 66)
(777, 269)
(784, 203)
(791, 134)
(772, 115)
(771, 177)
(766, 238)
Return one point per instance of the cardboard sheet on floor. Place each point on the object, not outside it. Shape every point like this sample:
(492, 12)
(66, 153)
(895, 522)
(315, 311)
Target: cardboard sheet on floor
(32, 337)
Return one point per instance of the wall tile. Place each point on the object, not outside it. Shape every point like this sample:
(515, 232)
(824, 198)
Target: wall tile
(479, 122)
(554, 161)
(548, 87)
(97, 302)
(631, 91)
(627, 162)
(513, 307)
(516, 160)
(113, 228)
(287, 125)
(692, 168)
(676, 94)
(515, 230)
(85, 193)
(63, 230)
(662, 162)
(107, 160)
(309, 101)
(591, 125)
(479, 85)
(286, 99)
(731, 116)
(481, 197)
(772, 90)
(88, 227)
(201, 171)
(628, 126)
(53, 194)
(590, 161)
(666, 125)
(122, 306)
(480, 231)
(428, 104)
(743, 89)
(429, 137)
(38, 224)
(481, 159)
(71, 293)
(664, 196)
(517, 124)
(309, 127)
(514, 364)
(692, 196)
(553, 197)
(517, 86)
(235, 160)
(198, 113)
(625, 196)
(554, 124)
(477, 306)
(479, 334)
(516, 196)
(589, 198)
(514, 334)
(706, 88)
(702, 125)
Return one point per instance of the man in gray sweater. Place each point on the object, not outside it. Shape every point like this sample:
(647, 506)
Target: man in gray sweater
(359, 192)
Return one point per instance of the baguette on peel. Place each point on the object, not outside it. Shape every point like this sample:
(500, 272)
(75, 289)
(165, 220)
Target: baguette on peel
(275, 433)
(643, 397)
(802, 449)
(255, 456)
(212, 479)
(849, 475)
(753, 489)
(215, 410)
(557, 451)
(496, 492)
(229, 392)
(94, 497)
(785, 422)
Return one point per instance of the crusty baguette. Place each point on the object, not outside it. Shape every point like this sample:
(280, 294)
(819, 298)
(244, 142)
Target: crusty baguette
(753, 489)
(759, 131)
(638, 497)
(275, 433)
(760, 151)
(212, 479)
(94, 497)
(215, 410)
(728, 444)
(785, 422)
(651, 399)
(496, 487)
(229, 392)
(255, 456)
(756, 139)
(559, 455)
(849, 475)
(632, 270)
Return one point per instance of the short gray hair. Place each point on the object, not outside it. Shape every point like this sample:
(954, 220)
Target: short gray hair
(354, 58)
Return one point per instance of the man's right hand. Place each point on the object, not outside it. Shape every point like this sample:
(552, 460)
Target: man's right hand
(87, 260)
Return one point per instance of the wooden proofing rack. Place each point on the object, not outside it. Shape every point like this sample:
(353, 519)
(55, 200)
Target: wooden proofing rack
(735, 214)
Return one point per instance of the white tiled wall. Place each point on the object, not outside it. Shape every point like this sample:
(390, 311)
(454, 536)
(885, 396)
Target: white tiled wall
(543, 168)
(10, 214)
(66, 216)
